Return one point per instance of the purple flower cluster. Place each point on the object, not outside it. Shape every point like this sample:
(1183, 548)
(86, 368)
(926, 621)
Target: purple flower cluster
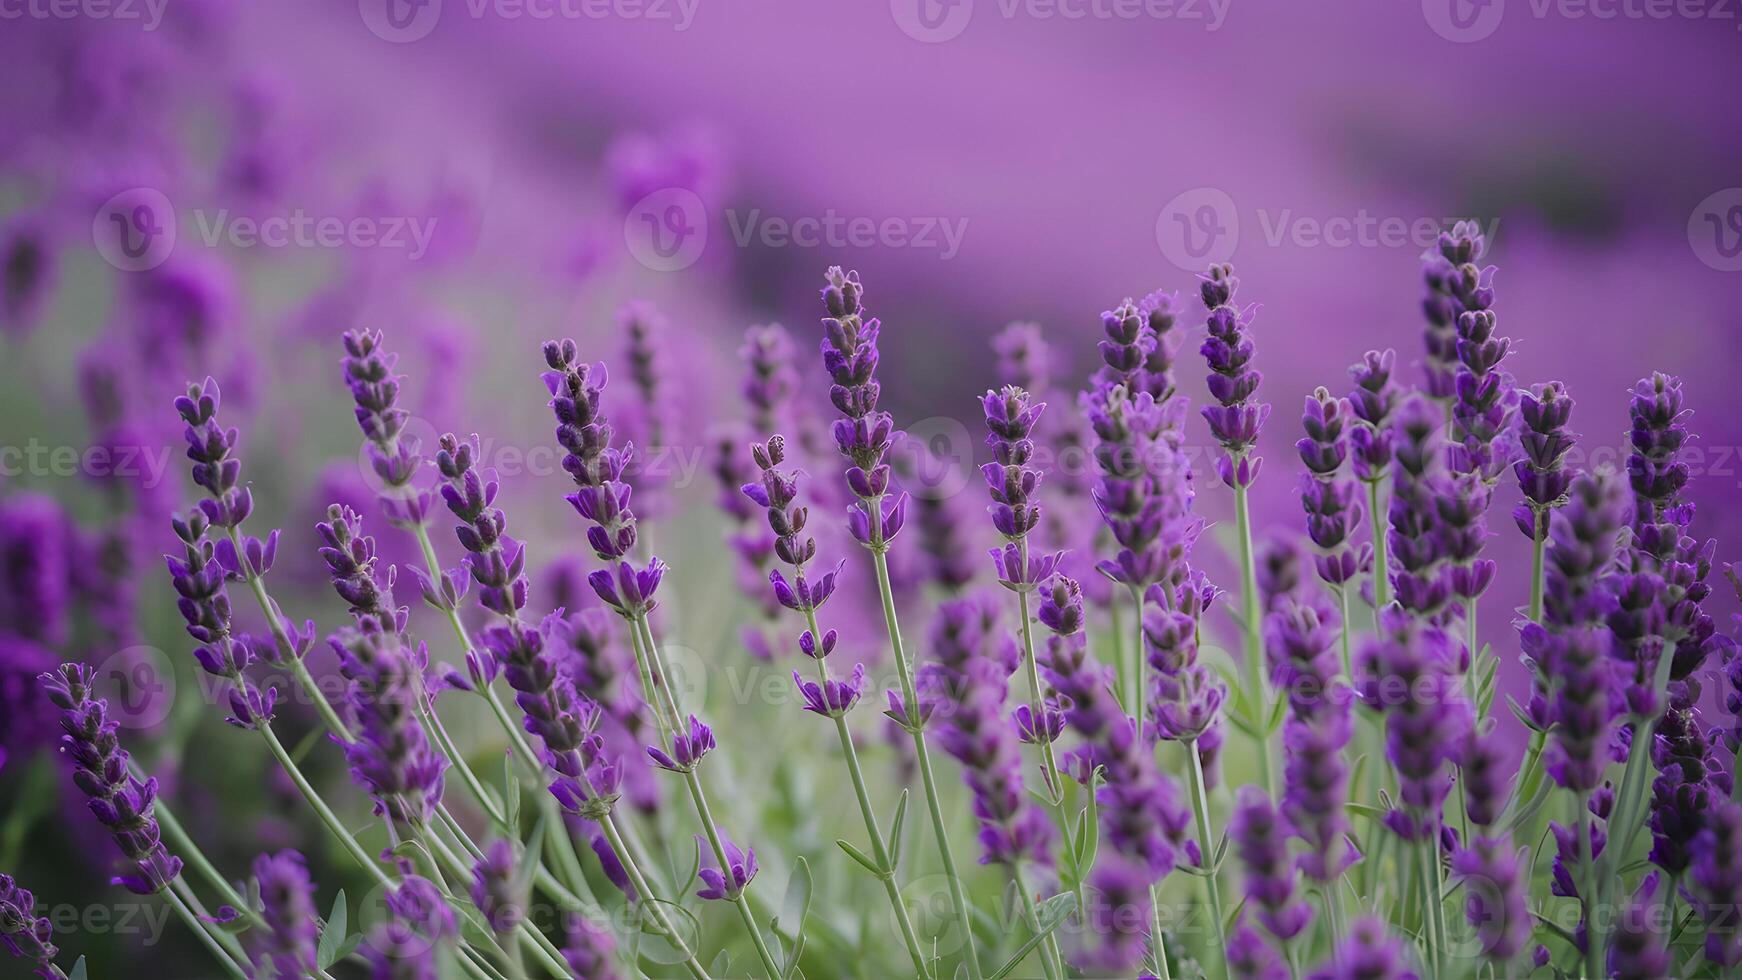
(1368, 953)
(25, 934)
(497, 562)
(1456, 286)
(418, 927)
(864, 433)
(1013, 481)
(1415, 539)
(1260, 837)
(1332, 513)
(1544, 441)
(1716, 883)
(394, 455)
(588, 950)
(390, 755)
(1185, 696)
(494, 890)
(1299, 633)
(1237, 417)
(103, 771)
(1373, 400)
(291, 929)
(1496, 902)
(1409, 673)
(727, 883)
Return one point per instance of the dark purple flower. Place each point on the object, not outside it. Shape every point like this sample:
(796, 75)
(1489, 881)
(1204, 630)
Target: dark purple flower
(687, 748)
(588, 950)
(1544, 441)
(291, 930)
(496, 561)
(349, 555)
(394, 453)
(390, 755)
(832, 697)
(1327, 497)
(1367, 953)
(1716, 882)
(494, 888)
(1455, 286)
(102, 770)
(1237, 417)
(1260, 837)
(1486, 768)
(1496, 902)
(1012, 479)
(565, 721)
(1415, 540)
(1638, 950)
(419, 924)
(1251, 957)
(1185, 696)
(1315, 779)
(1409, 674)
(25, 934)
(864, 433)
(727, 883)
(36, 568)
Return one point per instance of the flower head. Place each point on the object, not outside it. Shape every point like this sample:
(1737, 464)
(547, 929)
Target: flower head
(25, 934)
(726, 883)
(287, 946)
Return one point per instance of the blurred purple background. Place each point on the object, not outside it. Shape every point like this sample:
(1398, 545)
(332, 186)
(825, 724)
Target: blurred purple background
(1013, 159)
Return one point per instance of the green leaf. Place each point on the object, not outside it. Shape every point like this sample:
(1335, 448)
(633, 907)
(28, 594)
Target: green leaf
(78, 970)
(695, 869)
(722, 965)
(1276, 715)
(307, 744)
(511, 787)
(894, 845)
(796, 903)
(859, 856)
(1050, 915)
(531, 858)
(1370, 812)
(1233, 917)
(790, 967)
(333, 932)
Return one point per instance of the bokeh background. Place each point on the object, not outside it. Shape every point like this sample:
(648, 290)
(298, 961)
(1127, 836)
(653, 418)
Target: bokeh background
(979, 161)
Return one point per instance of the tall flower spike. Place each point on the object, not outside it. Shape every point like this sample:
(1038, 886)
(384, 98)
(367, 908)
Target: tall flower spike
(390, 756)
(1416, 544)
(496, 561)
(1496, 902)
(864, 433)
(102, 770)
(1260, 835)
(1409, 674)
(25, 934)
(650, 364)
(349, 555)
(291, 930)
(1544, 441)
(494, 888)
(1185, 696)
(1332, 513)
(1716, 883)
(1237, 417)
(394, 454)
(419, 925)
(1455, 286)
(589, 950)
(1367, 953)
(204, 603)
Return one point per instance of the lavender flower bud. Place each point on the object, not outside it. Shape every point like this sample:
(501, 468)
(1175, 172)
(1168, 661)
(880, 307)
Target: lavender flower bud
(1233, 382)
(494, 892)
(1367, 953)
(1260, 835)
(727, 883)
(1455, 286)
(588, 950)
(1495, 903)
(291, 933)
(102, 770)
(863, 434)
(391, 756)
(25, 934)
(394, 454)
(1544, 442)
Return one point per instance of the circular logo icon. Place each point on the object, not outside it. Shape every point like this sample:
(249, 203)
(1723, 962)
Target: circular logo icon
(1715, 230)
(687, 672)
(1463, 21)
(1198, 228)
(400, 21)
(932, 21)
(932, 913)
(667, 230)
(934, 458)
(135, 230)
(139, 684)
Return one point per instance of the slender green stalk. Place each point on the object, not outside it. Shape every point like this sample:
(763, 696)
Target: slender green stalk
(904, 669)
(1381, 573)
(1047, 949)
(1537, 541)
(184, 847)
(1471, 675)
(286, 651)
(1588, 892)
(656, 908)
(321, 809)
(1249, 621)
(1127, 696)
(1207, 844)
(868, 813)
(224, 937)
(1157, 942)
(1433, 886)
(647, 647)
(530, 937)
(193, 922)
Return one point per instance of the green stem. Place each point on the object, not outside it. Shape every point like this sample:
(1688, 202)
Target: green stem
(1588, 893)
(199, 929)
(1157, 942)
(184, 846)
(1254, 645)
(320, 807)
(225, 938)
(1475, 671)
(1048, 948)
(1343, 611)
(1537, 541)
(614, 835)
(869, 814)
(1434, 886)
(1381, 573)
(892, 625)
(286, 651)
(648, 647)
(1207, 845)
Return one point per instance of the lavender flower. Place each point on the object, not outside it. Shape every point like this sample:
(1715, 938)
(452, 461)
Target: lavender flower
(36, 569)
(1127, 449)
(390, 756)
(1250, 957)
(1716, 883)
(1544, 442)
(349, 555)
(863, 433)
(291, 929)
(1316, 786)
(588, 950)
(494, 888)
(1233, 382)
(1277, 566)
(394, 454)
(563, 720)
(1415, 538)
(1455, 286)
(1329, 500)
(1260, 835)
(770, 380)
(419, 926)
(1495, 899)
(496, 561)
(1409, 674)
(25, 934)
(971, 675)
(1012, 479)
(1637, 950)
(1689, 779)
(1486, 768)
(1367, 953)
(1186, 696)
(725, 884)
(102, 770)
(649, 370)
